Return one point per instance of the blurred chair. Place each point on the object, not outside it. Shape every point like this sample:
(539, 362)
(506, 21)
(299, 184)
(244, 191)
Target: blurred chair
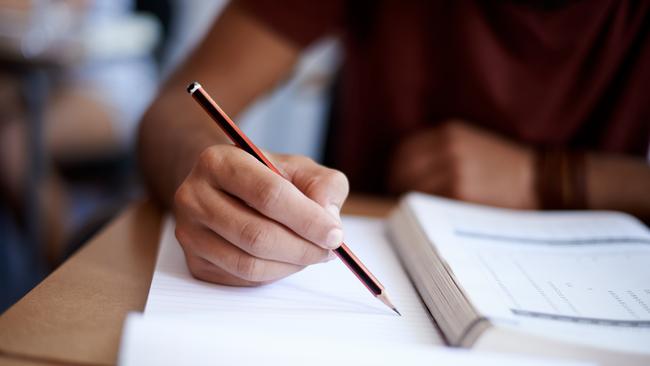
(84, 74)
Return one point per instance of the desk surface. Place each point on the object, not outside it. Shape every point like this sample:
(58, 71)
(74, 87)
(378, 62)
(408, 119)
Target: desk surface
(75, 315)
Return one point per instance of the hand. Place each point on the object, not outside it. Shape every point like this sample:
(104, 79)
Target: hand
(241, 224)
(463, 162)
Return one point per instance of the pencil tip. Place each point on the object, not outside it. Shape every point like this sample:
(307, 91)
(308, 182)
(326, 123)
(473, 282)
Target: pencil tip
(383, 297)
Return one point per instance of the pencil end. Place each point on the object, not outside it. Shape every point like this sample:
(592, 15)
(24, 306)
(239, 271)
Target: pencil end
(193, 87)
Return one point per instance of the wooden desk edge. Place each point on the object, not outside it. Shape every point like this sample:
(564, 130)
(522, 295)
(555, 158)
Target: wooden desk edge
(75, 315)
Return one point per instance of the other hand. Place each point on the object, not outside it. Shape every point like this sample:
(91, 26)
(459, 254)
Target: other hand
(464, 162)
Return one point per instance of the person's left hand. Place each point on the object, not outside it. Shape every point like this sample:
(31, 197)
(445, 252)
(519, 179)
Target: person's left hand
(464, 162)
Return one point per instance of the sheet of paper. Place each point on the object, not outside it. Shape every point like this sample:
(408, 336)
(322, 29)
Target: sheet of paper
(325, 299)
(162, 341)
(580, 276)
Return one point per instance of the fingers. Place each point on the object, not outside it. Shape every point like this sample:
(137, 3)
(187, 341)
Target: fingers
(438, 182)
(328, 187)
(421, 164)
(407, 170)
(432, 140)
(428, 161)
(241, 224)
(226, 261)
(435, 178)
(206, 271)
(239, 174)
(254, 233)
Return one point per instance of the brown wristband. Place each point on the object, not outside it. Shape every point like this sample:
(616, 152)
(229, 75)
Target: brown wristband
(560, 179)
(578, 179)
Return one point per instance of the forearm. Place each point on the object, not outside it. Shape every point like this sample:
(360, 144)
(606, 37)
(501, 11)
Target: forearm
(616, 182)
(170, 142)
(239, 60)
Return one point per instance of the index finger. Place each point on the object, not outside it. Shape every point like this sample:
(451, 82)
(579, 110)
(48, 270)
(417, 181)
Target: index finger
(328, 187)
(243, 176)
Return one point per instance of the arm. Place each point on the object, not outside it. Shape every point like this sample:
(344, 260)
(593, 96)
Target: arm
(618, 182)
(465, 162)
(237, 221)
(238, 61)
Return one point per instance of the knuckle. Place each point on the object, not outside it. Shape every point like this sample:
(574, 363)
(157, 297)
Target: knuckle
(268, 194)
(182, 235)
(183, 196)
(330, 183)
(300, 160)
(341, 180)
(210, 157)
(197, 268)
(216, 158)
(255, 238)
(194, 270)
(197, 272)
(313, 185)
(249, 268)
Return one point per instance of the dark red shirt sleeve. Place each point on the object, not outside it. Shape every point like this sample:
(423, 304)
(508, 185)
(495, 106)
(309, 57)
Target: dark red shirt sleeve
(299, 21)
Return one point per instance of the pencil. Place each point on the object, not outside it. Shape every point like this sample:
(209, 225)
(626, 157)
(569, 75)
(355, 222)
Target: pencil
(242, 141)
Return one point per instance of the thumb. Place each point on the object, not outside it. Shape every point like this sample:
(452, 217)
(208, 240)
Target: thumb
(327, 187)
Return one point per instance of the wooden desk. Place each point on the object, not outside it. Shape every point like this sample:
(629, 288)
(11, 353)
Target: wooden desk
(75, 315)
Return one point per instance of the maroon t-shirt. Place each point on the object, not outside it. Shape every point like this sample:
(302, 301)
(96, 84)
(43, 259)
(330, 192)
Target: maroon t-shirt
(575, 75)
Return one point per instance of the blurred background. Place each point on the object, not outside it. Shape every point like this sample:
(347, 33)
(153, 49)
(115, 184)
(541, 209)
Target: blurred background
(75, 78)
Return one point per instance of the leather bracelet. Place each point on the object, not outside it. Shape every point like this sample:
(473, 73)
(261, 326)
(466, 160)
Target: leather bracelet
(560, 180)
(578, 181)
(548, 178)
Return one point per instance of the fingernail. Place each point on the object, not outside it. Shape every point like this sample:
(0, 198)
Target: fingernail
(334, 238)
(335, 211)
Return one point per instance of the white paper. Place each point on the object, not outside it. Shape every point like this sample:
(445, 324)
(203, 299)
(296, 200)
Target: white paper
(326, 300)
(320, 316)
(579, 276)
(161, 341)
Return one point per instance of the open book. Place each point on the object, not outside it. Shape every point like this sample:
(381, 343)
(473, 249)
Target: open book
(457, 279)
(573, 284)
